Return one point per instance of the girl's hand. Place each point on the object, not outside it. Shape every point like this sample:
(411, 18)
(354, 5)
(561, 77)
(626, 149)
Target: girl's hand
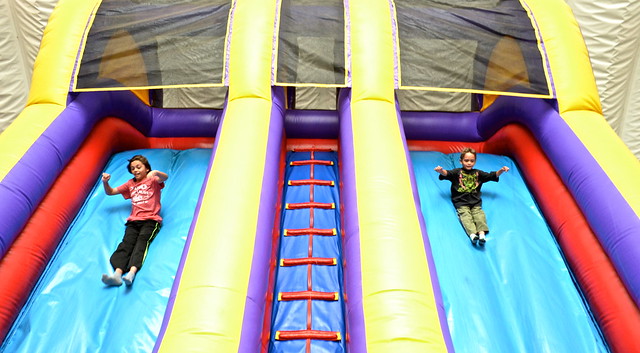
(106, 177)
(162, 176)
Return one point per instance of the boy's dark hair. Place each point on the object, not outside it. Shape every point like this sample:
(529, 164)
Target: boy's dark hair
(142, 159)
(468, 150)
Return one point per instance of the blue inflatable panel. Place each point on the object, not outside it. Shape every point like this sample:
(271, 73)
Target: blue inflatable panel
(71, 310)
(296, 315)
(515, 294)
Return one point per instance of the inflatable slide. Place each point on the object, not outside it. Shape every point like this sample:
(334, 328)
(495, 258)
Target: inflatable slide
(291, 230)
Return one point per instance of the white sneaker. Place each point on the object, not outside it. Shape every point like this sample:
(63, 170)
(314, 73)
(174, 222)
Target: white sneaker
(473, 238)
(483, 239)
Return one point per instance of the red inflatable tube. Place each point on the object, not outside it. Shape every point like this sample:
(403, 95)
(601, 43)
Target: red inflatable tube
(27, 257)
(613, 307)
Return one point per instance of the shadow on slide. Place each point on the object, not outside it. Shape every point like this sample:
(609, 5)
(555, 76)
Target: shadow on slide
(70, 309)
(515, 294)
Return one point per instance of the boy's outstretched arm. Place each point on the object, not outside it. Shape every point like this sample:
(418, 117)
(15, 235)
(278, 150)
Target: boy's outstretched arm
(440, 170)
(105, 182)
(162, 177)
(502, 170)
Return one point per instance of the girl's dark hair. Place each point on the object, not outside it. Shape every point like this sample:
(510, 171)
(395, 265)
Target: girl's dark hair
(468, 150)
(142, 159)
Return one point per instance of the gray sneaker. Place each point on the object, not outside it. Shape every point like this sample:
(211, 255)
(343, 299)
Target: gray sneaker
(473, 238)
(483, 239)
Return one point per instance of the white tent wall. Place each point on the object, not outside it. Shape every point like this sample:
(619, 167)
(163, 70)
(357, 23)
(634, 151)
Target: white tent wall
(22, 23)
(611, 29)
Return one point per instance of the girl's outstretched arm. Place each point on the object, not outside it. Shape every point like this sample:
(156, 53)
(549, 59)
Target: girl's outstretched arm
(105, 183)
(161, 175)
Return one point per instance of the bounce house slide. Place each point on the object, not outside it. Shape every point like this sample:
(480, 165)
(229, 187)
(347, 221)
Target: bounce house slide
(515, 293)
(403, 289)
(70, 310)
(485, 290)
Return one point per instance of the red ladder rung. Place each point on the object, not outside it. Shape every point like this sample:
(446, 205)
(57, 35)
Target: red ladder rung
(324, 261)
(313, 149)
(308, 334)
(310, 231)
(300, 205)
(308, 295)
(311, 161)
(311, 182)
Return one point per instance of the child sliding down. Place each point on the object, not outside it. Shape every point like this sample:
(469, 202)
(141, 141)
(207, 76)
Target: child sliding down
(143, 224)
(466, 196)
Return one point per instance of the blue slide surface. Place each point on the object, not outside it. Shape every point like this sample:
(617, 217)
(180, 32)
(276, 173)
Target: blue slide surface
(515, 294)
(70, 309)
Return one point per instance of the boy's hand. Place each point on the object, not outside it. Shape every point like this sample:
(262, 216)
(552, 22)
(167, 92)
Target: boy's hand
(106, 177)
(502, 170)
(440, 170)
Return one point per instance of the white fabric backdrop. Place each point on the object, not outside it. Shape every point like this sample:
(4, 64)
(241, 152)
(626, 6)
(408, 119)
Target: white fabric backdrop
(611, 29)
(21, 25)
